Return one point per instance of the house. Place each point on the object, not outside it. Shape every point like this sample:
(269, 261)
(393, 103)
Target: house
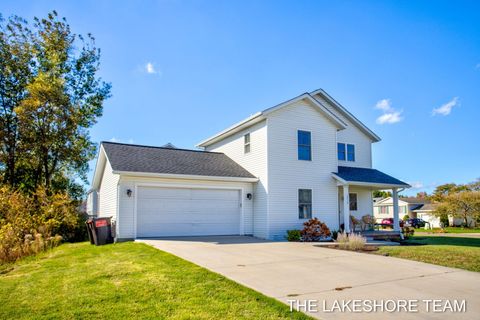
(407, 205)
(306, 157)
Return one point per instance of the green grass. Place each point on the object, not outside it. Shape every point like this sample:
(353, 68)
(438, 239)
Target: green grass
(125, 281)
(452, 230)
(456, 252)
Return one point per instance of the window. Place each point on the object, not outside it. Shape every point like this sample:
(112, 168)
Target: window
(403, 209)
(304, 203)
(246, 143)
(384, 209)
(350, 152)
(304, 145)
(346, 152)
(353, 201)
(341, 151)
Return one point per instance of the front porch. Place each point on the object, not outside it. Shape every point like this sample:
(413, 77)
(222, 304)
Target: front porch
(355, 187)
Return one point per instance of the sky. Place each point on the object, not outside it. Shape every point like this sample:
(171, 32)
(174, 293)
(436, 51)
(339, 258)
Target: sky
(183, 70)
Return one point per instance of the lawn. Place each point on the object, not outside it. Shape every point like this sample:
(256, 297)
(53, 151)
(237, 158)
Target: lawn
(456, 252)
(125, 281)
(451, 230)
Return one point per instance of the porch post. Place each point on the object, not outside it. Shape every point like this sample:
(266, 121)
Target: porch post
(396, 220)
(346, 209)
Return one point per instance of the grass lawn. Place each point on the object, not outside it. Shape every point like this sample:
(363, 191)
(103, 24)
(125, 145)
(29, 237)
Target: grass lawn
(125, 281)
(456, 252)
(451, 230)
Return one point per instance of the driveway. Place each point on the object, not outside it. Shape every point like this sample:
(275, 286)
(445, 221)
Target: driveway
(303, 271)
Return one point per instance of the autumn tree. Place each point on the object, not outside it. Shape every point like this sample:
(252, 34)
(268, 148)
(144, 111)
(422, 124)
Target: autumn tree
(51, 95)
(464, 205)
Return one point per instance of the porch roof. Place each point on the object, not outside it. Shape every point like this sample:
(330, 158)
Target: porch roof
(367, 177)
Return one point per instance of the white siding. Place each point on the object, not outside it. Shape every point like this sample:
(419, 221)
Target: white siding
(352, 135)
(256, 163)
(287, 174)
(126, 221)
(107, 194)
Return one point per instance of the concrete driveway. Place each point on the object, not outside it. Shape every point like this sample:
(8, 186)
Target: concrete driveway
(302, 271)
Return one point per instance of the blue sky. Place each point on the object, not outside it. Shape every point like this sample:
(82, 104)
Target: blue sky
(183, 70)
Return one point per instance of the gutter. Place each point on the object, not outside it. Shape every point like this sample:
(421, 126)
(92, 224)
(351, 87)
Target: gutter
(184, 176)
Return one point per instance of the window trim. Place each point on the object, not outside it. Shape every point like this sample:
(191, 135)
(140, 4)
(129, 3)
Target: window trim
(304, 145)
(247, 144)
(346, 151)
(311, 203)
(350, 201)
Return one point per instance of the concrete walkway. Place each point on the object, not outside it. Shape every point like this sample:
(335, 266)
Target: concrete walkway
(300, 271)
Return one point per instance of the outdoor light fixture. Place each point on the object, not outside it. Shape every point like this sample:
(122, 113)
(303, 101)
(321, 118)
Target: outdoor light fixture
(129, 192)
(249, 196)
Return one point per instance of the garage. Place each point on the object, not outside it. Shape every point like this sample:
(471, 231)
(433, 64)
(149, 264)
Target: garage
(169, 211)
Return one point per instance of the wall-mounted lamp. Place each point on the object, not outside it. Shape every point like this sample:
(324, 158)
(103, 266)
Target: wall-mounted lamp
(249, 196)
(129, 192)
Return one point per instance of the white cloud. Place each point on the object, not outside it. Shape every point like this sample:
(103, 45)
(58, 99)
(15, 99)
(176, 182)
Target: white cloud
(446, 108)
(384, 105)
(416, 185)
(150, 68)
(390, 115)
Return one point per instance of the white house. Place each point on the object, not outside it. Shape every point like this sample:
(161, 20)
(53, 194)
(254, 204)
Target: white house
(306, 157)
(406, 205)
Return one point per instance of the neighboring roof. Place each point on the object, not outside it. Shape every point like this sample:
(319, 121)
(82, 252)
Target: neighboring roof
(129, 158)
(347, 114)
(169, 145)
(427, 207)
(367, 176)
(415, 200)
(259, 116)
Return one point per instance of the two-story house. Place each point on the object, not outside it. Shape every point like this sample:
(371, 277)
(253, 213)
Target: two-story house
(306, 157)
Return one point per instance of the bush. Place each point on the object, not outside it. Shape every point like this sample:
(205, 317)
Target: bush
(335, 234)
(352, 242)
(406, 217)
(33, 223)
(315, 230)
(293, 235)
(444, 222)
(408, 232)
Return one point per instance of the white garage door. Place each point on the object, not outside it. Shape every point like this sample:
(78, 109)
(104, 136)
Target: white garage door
(164, 212)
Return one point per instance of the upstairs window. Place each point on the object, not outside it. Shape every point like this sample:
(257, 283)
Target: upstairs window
(342, 154)
(304, 145)
(304, 203)
(346, 152)
(350, 152)
(246, 143)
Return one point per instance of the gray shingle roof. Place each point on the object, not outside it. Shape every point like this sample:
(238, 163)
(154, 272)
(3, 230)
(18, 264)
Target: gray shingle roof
(367, 175)
(147, 159)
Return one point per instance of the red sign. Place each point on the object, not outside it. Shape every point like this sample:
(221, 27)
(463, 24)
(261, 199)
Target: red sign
(101, 223)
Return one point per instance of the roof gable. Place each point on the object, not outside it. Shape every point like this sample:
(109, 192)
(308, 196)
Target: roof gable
(344, 112)
(262, 115)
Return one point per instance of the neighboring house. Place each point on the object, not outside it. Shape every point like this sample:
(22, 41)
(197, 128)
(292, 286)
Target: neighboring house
(407, 205)
(307, 157)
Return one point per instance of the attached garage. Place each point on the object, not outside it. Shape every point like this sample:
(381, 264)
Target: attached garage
(169, 192)
(165, 212)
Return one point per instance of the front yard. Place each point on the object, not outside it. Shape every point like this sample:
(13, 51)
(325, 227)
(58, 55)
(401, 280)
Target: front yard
(456, 252)
(126, 280)
(450, 230)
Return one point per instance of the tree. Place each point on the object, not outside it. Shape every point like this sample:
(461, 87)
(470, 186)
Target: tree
(59, 97)
(463, 205)
(381, 194)
(444, 190)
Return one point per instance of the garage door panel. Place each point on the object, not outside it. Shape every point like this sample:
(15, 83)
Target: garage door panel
(165, 212)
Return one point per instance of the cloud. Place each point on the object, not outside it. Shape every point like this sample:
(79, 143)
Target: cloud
(150, 68)
(446, 108)
(113, 139)
(416, 185)
(390, 115)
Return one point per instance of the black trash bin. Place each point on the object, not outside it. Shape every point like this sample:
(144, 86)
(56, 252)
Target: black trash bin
(90, 231)
(103, 231)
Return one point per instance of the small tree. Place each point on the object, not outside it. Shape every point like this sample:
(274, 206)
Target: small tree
(462, 205)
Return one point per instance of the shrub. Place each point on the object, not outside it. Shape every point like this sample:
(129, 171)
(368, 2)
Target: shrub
(342, 240)
(356, 242)
(294, 235)
(33, 223)
(352, 242)
(408, 232)
(444, 222)
(315, 230)
(406, 217)
(335, 234)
